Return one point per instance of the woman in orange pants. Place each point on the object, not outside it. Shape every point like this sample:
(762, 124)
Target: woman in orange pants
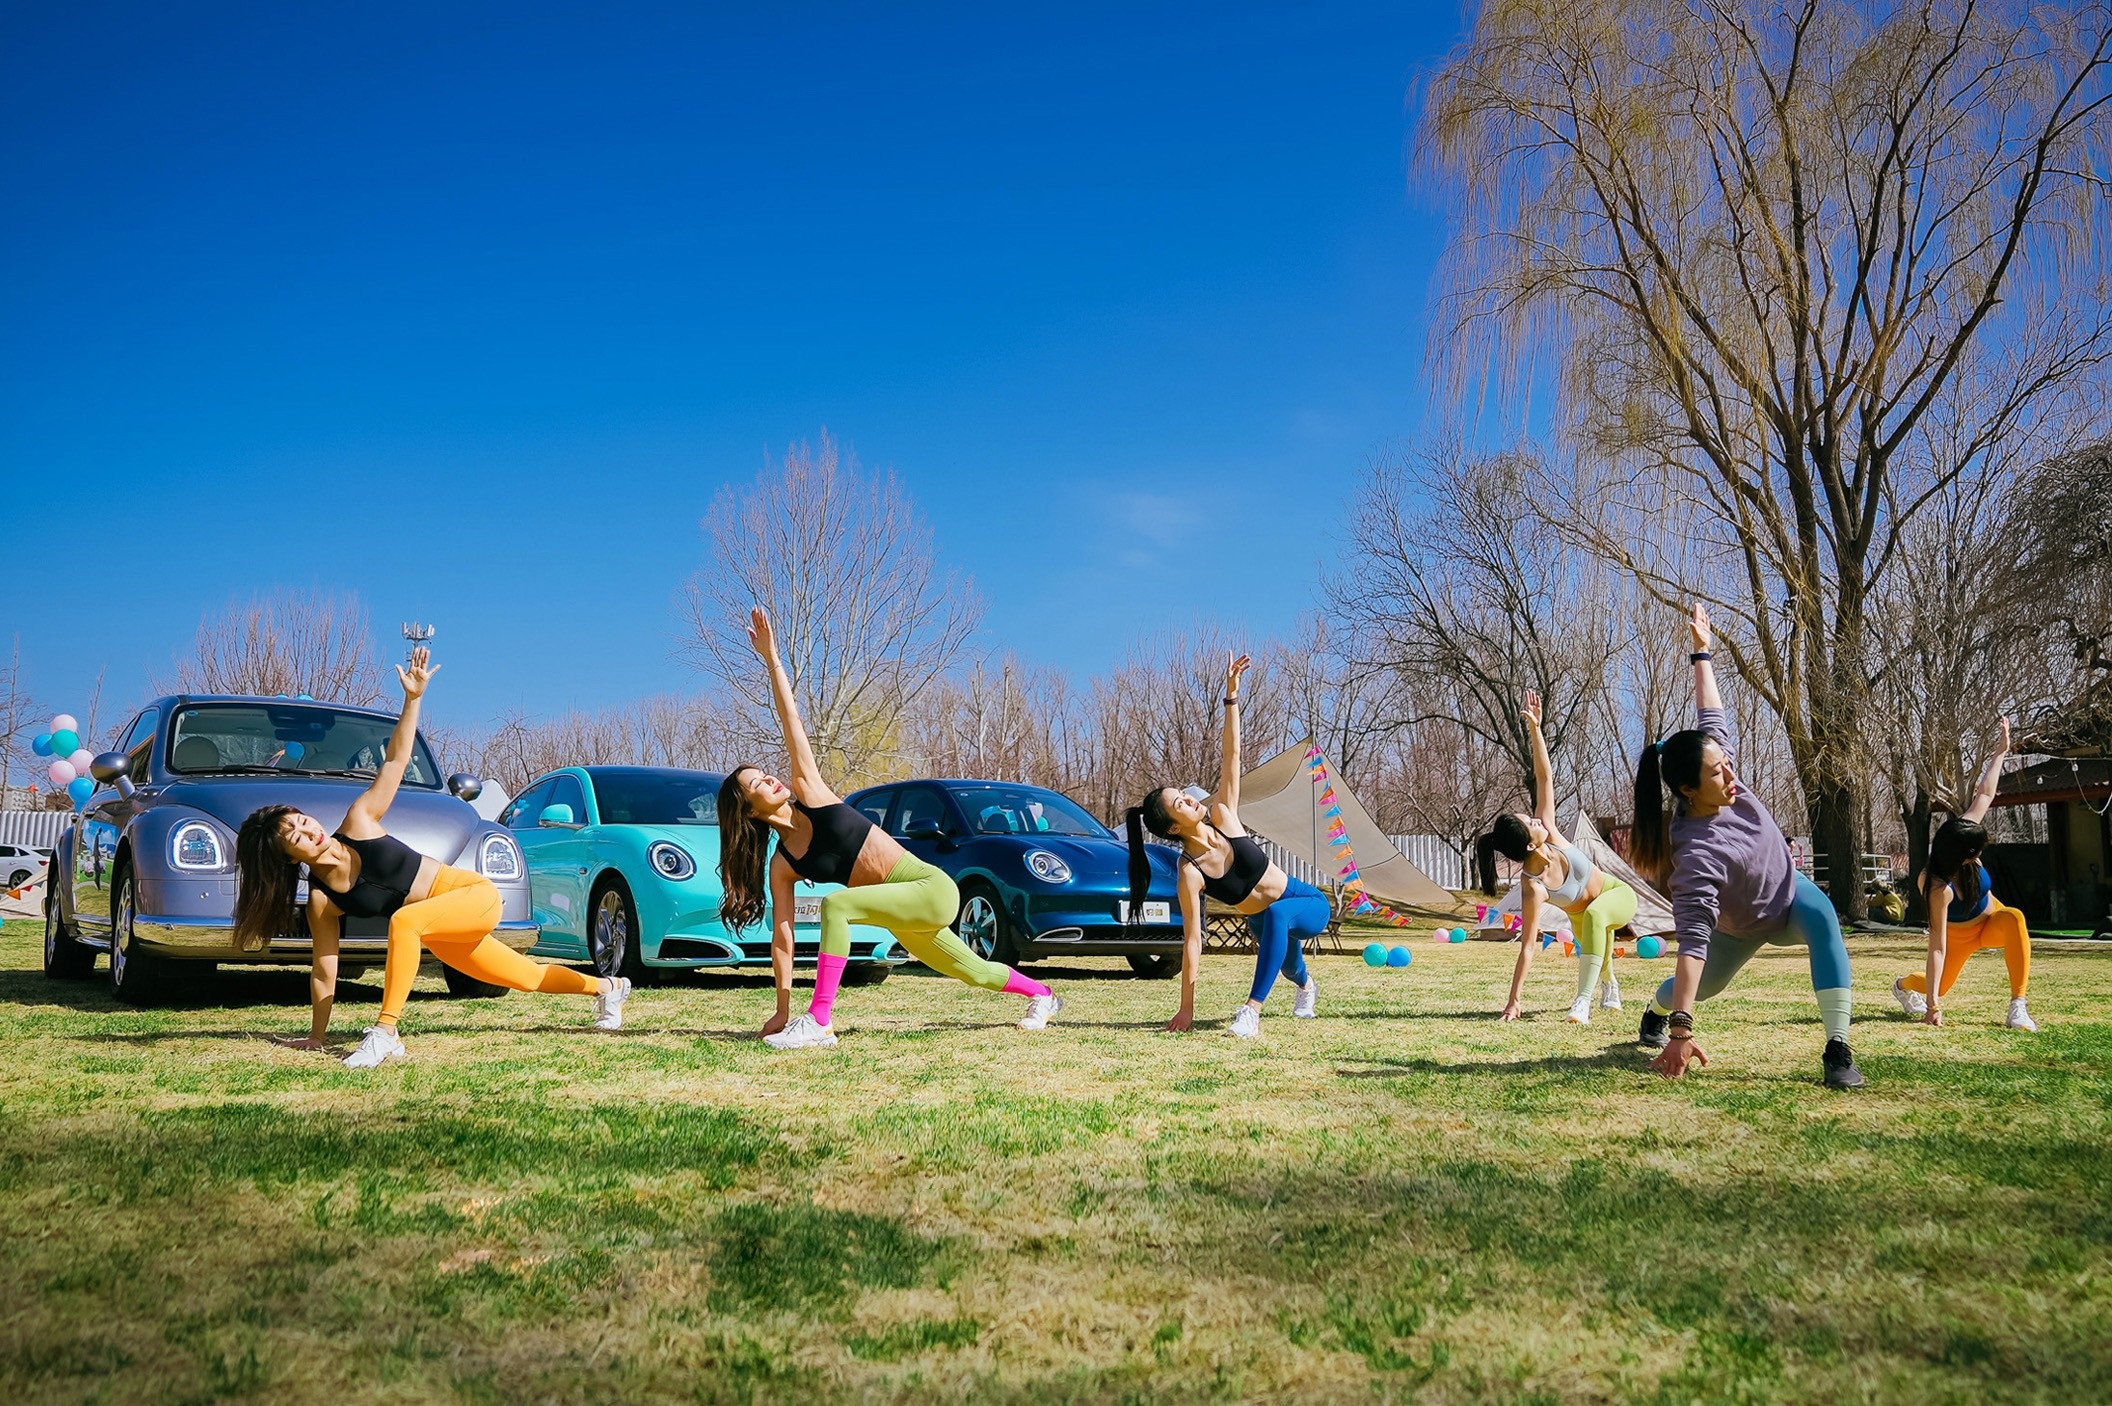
(364, 871)
(1964, 914)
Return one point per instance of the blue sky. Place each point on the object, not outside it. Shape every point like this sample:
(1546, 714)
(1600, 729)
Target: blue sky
(472, 309)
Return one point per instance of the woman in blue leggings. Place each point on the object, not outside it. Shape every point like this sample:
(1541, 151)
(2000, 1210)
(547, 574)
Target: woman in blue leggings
(1220, 860)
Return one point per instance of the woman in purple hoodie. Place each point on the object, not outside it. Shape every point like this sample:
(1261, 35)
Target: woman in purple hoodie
(1725, 864)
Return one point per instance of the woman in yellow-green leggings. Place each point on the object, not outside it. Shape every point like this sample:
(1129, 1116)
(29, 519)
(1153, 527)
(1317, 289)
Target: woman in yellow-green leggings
(884, 884)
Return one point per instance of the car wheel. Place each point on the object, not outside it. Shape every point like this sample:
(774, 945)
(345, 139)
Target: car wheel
(464, 987)
(1157, 968)
(18, 878)
(982, 925)
(613, 940)
(137, 978)
(866, 973)
(64, 958)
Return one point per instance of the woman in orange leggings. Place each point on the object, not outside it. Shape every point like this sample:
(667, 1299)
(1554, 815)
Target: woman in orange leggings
(364, 871)
(1964, 914)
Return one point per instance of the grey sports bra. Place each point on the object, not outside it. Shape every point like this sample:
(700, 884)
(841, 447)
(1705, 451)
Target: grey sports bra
(1579, 877)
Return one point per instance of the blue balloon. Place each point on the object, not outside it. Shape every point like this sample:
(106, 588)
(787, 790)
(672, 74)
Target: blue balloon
(41, 744)
(1375, 955)
(64, 743)
(295, 751)
(80, 788)
(1399, 957)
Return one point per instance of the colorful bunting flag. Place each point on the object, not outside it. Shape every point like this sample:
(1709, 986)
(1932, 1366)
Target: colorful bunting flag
(1361, 903)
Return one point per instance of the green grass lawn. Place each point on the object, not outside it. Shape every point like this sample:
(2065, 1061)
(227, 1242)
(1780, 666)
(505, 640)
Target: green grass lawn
(1401, 1200)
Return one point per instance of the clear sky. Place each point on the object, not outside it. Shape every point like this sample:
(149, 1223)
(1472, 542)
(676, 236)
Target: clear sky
(471, 310)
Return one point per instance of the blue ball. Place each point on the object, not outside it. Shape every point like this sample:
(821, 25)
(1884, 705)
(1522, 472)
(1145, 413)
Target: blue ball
(1399, 957)
(1375, 955)
(80, 788)
(41, 744)
(1648, 947)
(295, 751)
(1459, 934)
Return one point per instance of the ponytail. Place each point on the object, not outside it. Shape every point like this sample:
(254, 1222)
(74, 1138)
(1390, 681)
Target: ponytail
(1674, 765)
(744, 856)
(1506, 836)
(1153, 815)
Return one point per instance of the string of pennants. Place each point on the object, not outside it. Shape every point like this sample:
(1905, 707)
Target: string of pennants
(1361, 903)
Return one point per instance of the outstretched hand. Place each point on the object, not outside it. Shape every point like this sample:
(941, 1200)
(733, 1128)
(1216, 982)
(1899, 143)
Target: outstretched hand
(761, 637)
(2005, 734)
(418, 675)
(1531, 710)
(1235, 665)
(1698, 628)
(1672, 1060)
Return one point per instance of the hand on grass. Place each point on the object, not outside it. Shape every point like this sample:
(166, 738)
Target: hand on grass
(1510, 1012)
(775, 1023)
(1932, 1017)
(1672, 1060)
(297, 1042)
(1181, 1021)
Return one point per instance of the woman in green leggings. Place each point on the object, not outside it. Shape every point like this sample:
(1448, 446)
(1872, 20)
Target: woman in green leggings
(1560, 873)
(883, 884)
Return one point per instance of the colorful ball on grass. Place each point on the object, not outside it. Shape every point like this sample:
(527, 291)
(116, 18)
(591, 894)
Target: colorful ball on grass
(1375, 954)
(80, 789)
(1649, 947)
(65, 742)
(1441, 934)
(1459, 934)
(41, 744)
(1399, 957)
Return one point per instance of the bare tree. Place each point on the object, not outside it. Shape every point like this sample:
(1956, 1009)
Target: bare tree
(1770, 245)
(20, 715)
(843, 561)
(289, 642)
(662, 730)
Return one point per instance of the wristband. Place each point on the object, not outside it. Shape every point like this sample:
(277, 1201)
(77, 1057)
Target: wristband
(1681, 1020)
(1701, 658)
(1231, 702)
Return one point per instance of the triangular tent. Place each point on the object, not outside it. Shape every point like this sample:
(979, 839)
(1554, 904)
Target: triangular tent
(1277, 800)
(1652, 913)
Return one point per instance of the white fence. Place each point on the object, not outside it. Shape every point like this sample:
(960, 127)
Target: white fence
(1435, 856)
(33, 829)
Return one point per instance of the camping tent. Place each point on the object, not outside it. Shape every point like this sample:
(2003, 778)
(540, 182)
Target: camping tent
(1652, 913)
(1278, 801)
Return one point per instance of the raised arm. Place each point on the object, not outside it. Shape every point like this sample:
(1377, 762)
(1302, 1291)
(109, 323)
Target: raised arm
(1543, 771)
(1699, 635)
(1228, 763)
(1984, 793)
(366, 812)
(805, 779)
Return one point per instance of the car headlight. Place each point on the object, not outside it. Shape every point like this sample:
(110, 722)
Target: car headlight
(1047, 867)
(670, 861)
(195, 846)
(499, 857)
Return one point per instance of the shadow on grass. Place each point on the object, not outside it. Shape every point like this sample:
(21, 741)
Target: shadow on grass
(1613, 1057)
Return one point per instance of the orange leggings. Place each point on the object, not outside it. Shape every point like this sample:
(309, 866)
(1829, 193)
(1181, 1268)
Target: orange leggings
(456, 921)
(1999, 926)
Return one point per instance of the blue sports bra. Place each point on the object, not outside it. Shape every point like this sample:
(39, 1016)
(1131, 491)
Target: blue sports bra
(1574, 883)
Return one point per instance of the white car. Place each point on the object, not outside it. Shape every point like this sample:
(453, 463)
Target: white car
(19, 864)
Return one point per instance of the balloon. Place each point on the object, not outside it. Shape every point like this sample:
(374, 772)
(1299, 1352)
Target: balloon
(1375, 955)
(64, 742)
(64, 723)
(1441, 934)
(60, 772)
(41, 744)
(1459, 934)
(80, 788)
(295, 751)
(1399, 957)
(82, 760)
(1648, 947)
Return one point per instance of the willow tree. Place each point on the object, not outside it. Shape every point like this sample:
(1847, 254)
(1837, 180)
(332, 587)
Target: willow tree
(1789, 269)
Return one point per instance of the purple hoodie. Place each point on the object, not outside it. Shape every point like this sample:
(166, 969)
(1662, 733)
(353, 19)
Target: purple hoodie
(1730, 871)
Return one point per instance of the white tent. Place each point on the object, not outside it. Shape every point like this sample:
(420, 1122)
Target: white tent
(1652, 913)
(1278, 801)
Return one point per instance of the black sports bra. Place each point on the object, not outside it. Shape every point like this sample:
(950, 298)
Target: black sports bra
(1241, 875)
(387, 869)
(839, 833)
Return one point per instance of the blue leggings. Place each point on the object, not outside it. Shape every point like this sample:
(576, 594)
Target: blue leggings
(1810, 922)
(1280, 931)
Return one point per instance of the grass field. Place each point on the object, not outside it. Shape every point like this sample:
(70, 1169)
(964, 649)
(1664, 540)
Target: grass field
(1403, 1200)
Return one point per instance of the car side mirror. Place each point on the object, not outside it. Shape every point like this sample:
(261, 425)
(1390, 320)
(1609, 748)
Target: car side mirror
(558, 816)
(464, 786)
(112, 769)
(922, 829)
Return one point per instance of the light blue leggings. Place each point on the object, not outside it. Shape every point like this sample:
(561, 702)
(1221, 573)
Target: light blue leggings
(1810, 922)
(1280, 931)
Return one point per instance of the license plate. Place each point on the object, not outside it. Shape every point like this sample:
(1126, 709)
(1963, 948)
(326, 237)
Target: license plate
(806, 911)
(1153, 912)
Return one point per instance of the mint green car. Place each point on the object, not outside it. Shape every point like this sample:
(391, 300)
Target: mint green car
(623, 872)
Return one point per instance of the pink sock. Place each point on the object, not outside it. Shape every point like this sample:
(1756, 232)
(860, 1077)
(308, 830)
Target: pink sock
(828, 974)
(1018, 984)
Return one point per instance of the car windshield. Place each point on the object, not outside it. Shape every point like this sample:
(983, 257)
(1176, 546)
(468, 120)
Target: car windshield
(652, 796)
(1024, 810)
(294, 739)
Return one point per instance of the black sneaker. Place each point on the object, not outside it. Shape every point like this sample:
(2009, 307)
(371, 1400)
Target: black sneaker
(1841, 1072)
(1652, 1036)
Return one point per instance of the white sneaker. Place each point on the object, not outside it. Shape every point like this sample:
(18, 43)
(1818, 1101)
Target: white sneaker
(1914, 1003)
(608, 1005)
(1308, 1003)
(1040, 1010)
(1580, 1010)
(802, 1032)
(1610, 993)
(1246, 1024)
(381, 1043)
(2019, 1018)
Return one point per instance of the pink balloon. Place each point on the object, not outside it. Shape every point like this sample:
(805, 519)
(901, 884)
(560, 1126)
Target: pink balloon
(60, 772)
(82, 760)
(64, 723)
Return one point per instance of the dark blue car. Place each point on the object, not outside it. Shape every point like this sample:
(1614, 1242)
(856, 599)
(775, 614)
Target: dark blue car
(1039, 877)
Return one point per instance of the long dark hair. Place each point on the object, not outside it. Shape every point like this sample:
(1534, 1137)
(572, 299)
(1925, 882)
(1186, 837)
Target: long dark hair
(1956, 843)
(1675, 763)
(744, 855)
(1508, 837)
(265, 879)
(1151, 814)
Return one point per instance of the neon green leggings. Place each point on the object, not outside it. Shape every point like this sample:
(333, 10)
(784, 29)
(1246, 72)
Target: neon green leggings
(917, 904)
(1614, 906)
